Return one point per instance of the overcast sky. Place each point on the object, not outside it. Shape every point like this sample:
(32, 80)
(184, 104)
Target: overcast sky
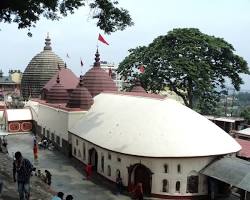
(77, 34)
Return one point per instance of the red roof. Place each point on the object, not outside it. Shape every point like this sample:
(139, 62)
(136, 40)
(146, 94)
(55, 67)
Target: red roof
(67, 79)
(80, 97)
(96, 80)
(57, 93)
(245, 151)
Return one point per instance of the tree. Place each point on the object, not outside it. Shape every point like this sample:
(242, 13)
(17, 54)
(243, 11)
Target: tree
(27, 12)
(245, 113)
(192, 64)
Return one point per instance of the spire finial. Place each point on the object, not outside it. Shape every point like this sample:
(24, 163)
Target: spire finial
(97, 59)
(81, 81)
(47, 43)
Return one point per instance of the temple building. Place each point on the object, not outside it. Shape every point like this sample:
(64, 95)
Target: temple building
(141, 137)
(39, 71)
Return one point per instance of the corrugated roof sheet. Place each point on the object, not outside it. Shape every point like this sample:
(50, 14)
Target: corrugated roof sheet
(230, 170)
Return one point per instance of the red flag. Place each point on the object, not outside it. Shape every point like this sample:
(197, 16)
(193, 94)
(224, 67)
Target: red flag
(100, 38)
(142, 69)
(81, 63)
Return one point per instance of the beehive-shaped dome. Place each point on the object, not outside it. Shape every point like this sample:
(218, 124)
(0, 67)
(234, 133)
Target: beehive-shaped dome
(80, 97)
(96, 80)
(39, 71)
(57, 93)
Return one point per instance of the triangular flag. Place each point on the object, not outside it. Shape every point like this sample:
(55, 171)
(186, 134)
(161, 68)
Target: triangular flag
(67, 55)
(100, 38)
(81, 63)
(142, 69)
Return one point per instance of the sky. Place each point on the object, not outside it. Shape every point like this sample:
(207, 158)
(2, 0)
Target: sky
(76, 35)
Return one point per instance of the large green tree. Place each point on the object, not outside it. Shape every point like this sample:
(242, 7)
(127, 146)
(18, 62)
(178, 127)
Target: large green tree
(192, 64)
(26, 13)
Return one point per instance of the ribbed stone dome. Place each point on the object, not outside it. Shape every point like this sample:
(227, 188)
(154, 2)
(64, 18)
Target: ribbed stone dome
(57, 93)
(39, 71)
(96, 80)
(80, 97)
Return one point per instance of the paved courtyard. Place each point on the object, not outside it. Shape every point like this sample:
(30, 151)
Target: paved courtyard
(65, 177)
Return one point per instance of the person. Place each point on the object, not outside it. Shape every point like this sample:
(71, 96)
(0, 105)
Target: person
(59, 196)
(119, 184)
(138, 192)
(69, 197)
(48, 177)
(23, 169)
(88, 170)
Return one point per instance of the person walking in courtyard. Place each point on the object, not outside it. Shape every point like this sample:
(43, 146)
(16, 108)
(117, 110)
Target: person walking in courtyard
(69, 197)
(138, 192)
(59, 196)
(48, 177)
(88, 170)
(22, 169)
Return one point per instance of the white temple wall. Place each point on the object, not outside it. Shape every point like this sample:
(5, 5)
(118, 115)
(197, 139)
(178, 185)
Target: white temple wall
(156, 165)
(57, 121)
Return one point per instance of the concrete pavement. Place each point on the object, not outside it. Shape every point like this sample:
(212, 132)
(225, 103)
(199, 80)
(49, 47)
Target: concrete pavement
(65, 177)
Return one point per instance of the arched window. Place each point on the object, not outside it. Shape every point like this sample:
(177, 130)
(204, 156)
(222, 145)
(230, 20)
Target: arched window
(102, 163)
(109, 170)
(179, 168)
(166, 168)
(178, 186)
(165, 185)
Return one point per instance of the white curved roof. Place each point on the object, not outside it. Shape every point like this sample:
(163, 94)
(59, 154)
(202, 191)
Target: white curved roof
(18, 114)
(152, 128)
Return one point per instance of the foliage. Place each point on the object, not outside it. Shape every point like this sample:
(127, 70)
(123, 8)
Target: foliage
(27, 12)
(192, 64)
(245, 113)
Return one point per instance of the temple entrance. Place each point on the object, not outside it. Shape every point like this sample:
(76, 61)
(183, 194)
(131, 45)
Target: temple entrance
(93, 158)
(139, 173)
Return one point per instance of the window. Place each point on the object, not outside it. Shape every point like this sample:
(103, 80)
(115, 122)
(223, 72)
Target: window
(192, 184)
(118, 159)
(84, 151)
(48, 134)
(43, 131)
(74, 152)
(109, 170)
(76, 142)
(109, 156)
(166, 168)
(102, 163)
(177, 186)
(58, 140)
(179, 168)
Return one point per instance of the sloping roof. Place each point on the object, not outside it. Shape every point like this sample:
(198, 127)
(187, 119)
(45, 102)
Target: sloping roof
(151, 127)
(245, 145)
(67, 78)
(6, 80)
(245, 131)
(18, 114)
(230, 170)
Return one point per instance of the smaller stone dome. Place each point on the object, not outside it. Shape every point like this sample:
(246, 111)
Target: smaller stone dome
(137, 87)
(80, 97)
(57, 93)
(96, 80)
